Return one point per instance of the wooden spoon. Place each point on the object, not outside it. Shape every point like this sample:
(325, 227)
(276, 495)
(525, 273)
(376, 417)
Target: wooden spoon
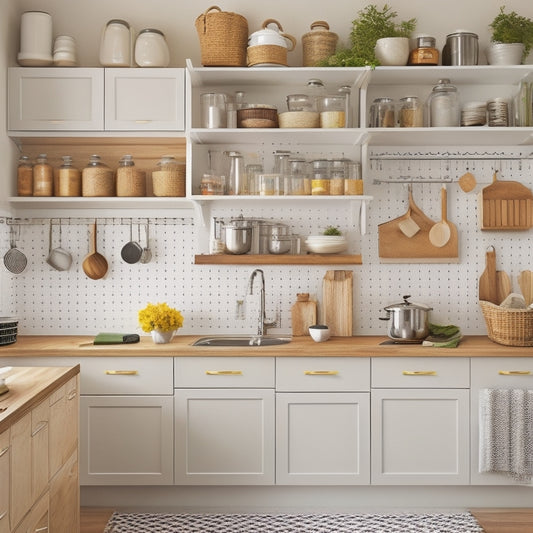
(95, 264)
(440, 233)
(525, 281)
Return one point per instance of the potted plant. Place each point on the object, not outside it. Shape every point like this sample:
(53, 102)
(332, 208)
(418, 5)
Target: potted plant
(373, 25)
(161, 320)
(511, 40)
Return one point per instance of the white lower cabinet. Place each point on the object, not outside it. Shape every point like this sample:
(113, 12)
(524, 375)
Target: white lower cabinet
(420, 421)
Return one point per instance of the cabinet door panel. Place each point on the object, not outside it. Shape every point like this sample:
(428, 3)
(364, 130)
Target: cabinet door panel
(322, 438)
(39, 448)
(65, 498)
(126, 440)
(4, 481)
(224, 437)
(21, 496)
(420, 436)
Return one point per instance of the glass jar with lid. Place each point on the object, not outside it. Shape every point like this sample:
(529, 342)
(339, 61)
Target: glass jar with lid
(97, 179)
(425, 52)
(237, 183)
(151, 49)
(320, 182)
(443, 105)
(43, 177)
(24, 176)
(411, 112)
(130, 180)
(315, 90)
(169, 178)
(332, 110)
(382, 113)
(69, 178)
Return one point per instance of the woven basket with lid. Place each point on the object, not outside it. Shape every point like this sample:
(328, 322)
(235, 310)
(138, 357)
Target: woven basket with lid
(223, 38)
(318, 44)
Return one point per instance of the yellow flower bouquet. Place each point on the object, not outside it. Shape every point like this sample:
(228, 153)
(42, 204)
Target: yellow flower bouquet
(160, 317)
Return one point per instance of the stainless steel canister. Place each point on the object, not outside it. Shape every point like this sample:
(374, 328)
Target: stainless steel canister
(461, 48)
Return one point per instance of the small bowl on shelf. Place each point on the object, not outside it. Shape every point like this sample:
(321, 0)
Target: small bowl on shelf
(326, 244)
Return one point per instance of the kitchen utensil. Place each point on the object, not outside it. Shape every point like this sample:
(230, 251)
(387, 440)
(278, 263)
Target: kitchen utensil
(395, 247)
(467, 182)
(14, 260)
(488, 290)
(525, 282)
(337, 302)
(95, 264)
(58, 258)
(303, 314)
(506, 205)
(409, 322)
(132, 251)
(440, 233)
(146, 255)
(408, 226)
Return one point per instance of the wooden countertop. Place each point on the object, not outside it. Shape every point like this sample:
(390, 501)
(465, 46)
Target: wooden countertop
(27, 387)
(181, 345)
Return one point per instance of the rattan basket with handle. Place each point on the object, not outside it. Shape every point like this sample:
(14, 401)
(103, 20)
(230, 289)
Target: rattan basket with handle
(318, 44)
(511, 327)
(223, 38)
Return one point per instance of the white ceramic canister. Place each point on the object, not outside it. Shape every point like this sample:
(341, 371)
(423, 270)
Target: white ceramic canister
(115, 44)
(65, 51)
(35, 39)
(151, 49)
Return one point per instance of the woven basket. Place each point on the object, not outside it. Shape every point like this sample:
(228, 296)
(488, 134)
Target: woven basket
(267, 53)
(131, 182)
(511, 327)
(223, 38)
(318, 44)
(169, 182)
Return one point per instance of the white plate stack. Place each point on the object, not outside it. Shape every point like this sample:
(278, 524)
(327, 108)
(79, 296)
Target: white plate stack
(326, 244)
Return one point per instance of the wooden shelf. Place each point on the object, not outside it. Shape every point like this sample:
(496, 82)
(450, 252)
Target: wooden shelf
(273, 259)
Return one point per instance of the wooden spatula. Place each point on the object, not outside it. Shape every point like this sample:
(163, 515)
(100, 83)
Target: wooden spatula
(488, 289)
(525, 281)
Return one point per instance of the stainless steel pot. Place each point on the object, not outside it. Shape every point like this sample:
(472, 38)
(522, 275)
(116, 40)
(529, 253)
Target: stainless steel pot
(238, 236)
(409, 322)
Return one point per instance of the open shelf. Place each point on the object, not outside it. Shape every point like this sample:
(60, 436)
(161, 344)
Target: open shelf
(273, 259)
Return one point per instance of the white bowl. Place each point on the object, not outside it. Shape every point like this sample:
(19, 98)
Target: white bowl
(326, 244)
(319, 333)
(392, 51)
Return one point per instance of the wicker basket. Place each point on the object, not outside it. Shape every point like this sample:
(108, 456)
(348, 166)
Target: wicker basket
(511, 327)
(257, 116)
(223, 38)
(169, 182)
(318, 44)
(271, 54)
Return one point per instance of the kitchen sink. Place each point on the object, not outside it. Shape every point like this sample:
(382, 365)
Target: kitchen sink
(242, 340)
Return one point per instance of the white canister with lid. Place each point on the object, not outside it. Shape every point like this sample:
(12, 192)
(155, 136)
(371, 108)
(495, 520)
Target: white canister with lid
(35, 39)
(151, 49)
(115, 44)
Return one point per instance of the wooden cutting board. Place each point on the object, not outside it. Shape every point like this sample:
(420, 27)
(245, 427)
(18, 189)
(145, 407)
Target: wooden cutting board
(506, 205)
(337, 302)
(303, 314)
(396, 247)
(494, 285)
(525, 281)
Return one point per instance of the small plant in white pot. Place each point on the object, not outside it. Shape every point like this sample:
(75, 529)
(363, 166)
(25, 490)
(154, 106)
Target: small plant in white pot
(511, 40)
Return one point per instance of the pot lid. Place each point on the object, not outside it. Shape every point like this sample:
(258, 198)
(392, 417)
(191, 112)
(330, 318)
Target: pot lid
(406, 304)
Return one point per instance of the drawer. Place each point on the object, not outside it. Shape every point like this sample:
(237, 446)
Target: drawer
(224, 372)
(317, 374)
(504, 372)
(126, 375)
(421, 372)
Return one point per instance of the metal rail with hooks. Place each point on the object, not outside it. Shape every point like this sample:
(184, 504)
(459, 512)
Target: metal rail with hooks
(109, 221)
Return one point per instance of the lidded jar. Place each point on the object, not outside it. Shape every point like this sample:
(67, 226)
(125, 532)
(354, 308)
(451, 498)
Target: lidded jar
(237, 182)
(115, 44)
(169, 178)
(318, 44)
(425, 52)
(151, 49)
(320, 181)
(97, 178)
(43, 177)
(130, 180)
(443, 105)
(69, 179)
(24, 176)
(316, 90)
(411, 112)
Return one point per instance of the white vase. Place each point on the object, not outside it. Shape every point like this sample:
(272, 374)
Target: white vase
(162, 337)
(392, 51)
(505, 53)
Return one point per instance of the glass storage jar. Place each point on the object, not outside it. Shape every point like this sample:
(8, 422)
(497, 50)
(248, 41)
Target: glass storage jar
(425, 52)
(411, 112)
(130, 180)
(443, 105)
(69, 180)
(320, 181)
(24, 176)
(43, 177)
(332, 109)
(382, 113)
(169, 178)
(97, 179)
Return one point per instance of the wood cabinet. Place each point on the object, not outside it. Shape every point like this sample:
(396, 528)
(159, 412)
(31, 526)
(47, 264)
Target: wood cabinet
(64, 505)
(21, 464)
(224, 431)
(5, 469)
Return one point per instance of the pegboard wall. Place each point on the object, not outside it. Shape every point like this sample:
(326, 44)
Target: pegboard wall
(51, 302)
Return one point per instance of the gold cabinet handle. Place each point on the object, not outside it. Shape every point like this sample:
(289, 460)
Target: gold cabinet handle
(3, 451)
(40, 427)
(419, 373)
(39, 529)
(514, 372)
(321, 372)
(224, 372)
(121, 372)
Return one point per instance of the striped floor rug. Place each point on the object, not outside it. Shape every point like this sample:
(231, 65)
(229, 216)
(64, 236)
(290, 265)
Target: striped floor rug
(293, 523)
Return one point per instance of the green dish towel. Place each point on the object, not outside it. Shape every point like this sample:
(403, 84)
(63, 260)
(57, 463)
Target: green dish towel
(443, 336)
(116, 338)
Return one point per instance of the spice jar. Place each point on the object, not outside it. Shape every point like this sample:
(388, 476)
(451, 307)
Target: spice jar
(443, 103)
(69, 178)
(425, 52)
(337, 176)
(332, 110)
(169, 179)
(43, 177)
(382, 113)
(353, 184)
(24, 176)
(130, 181)
(320, 181)
(411, 113)
(97, 179)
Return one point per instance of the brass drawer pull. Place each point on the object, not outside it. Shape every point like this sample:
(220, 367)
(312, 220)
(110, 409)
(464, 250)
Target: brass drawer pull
(419, 373)
(40, 427)
(514, 372)
(321, 372)
(121, 372)
(224, 372)
(3, 451)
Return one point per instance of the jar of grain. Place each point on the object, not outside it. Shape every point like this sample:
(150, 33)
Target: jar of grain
(69, 182)
(169, 179)
(320, 182)
(43, 177)
(338, 174)
(24, 176)
(332, 110)
(97, 179)
(130, 180)
(353, 184)
(411, 113)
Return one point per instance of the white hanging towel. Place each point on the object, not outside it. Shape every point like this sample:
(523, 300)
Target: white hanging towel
(506, 432)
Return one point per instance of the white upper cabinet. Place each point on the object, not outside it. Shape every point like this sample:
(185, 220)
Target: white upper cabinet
(55, 99)
(145, 99)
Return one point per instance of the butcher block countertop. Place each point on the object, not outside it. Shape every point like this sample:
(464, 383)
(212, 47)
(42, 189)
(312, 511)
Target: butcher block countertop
(181, 346)
(27, 387)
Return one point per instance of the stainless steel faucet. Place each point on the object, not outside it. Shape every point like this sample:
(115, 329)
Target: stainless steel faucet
(262, 324)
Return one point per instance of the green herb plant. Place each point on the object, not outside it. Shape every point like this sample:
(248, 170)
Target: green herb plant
(512, 28)
(332, 230)
(370, 25)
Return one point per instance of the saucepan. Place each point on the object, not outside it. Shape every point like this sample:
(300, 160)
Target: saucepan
(408, 322)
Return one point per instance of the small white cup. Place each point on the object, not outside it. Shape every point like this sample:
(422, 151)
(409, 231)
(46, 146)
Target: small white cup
(319, 333)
